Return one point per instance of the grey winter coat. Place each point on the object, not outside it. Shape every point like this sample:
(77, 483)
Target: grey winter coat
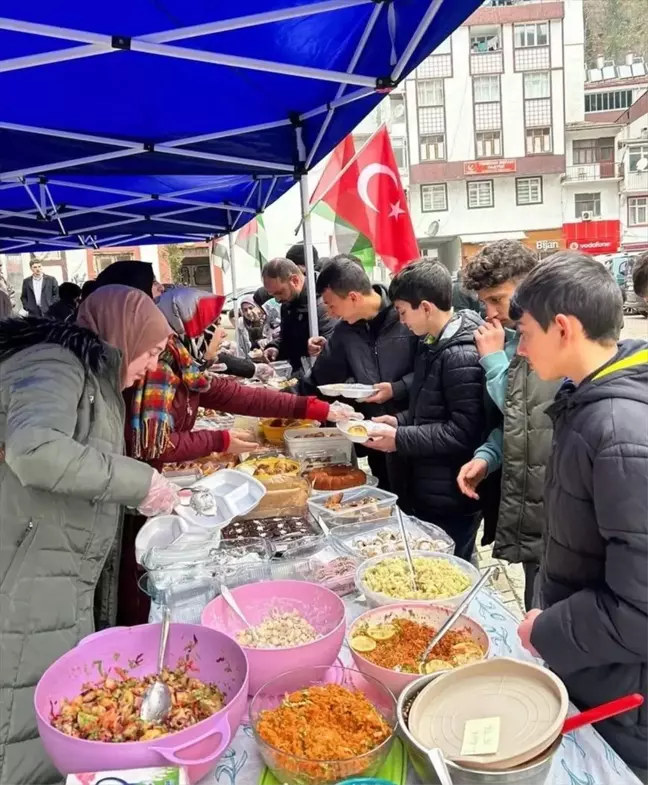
(527, 433)
(62, 481)
(593, 631)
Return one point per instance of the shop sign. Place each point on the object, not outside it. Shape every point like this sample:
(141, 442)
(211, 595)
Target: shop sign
(547, 245)
(501, 166)
(594, 237)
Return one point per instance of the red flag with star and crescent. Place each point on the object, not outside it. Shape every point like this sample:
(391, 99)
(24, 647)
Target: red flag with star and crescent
(369, 195)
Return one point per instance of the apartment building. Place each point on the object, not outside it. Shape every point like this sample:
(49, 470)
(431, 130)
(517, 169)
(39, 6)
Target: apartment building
(605, 188)
(486, 116)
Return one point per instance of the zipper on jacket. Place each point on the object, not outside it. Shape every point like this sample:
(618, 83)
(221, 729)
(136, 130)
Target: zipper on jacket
(28, 530)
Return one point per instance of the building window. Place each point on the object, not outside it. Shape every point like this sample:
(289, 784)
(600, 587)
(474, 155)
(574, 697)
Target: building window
(429, 92)
(538, 140)
(636, 154)
(432, 147)
(588, 203)
(489, 144)
(605, 102)
(400, 152)
(537, 85)
(480, 194)
(528, 190)
(593, 151)
(485, 40)
(638, 211)
(486, 89)
(535, 34)
(434, 198)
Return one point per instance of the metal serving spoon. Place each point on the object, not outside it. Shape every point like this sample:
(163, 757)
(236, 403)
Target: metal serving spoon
(203, 502)
(435, 756)
(229, 599)
(156, 703)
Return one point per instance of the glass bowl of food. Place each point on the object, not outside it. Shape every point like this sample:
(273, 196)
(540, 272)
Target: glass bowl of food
(441, 579)
(387, 643)
(301, 722)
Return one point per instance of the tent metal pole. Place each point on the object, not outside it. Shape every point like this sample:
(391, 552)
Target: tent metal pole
(34, 200)
(91, 159)
(348, 99)
(225, 134)
(308, 254)
(415, 40)
(32, 129)
(269, 194)
(237, 327)
(228, 159)
(248, 199)
(340, 92)
(28, 229)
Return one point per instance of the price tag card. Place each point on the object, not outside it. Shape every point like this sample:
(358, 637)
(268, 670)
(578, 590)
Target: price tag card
(481, 737)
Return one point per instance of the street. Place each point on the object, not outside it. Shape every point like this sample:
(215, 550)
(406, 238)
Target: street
(510, 583)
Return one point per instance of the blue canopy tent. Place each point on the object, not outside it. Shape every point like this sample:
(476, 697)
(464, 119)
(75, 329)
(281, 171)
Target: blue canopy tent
(149, 121)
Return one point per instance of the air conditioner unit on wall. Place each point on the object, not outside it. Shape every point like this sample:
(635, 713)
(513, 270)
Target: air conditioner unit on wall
(587, 215)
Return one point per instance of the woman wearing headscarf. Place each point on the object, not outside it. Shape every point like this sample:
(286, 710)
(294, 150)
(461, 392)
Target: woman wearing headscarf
(255, 331)
(163, 406)
(138, 275)
(63, 482)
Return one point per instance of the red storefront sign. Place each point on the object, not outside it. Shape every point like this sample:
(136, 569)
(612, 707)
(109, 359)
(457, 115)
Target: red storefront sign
(595, 237)
(500, 166)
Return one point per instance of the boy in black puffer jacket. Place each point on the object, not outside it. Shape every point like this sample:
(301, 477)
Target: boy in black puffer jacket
(446, 418)
(593, 583)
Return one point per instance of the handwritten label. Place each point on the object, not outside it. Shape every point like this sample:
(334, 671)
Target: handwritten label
(481, 737)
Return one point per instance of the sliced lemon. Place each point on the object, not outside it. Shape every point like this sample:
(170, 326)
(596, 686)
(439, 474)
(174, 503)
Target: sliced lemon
(381, 632)
(362, 643)
(434, 666)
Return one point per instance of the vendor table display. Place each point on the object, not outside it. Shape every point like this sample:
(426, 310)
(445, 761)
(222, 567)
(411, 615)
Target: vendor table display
(582, 759)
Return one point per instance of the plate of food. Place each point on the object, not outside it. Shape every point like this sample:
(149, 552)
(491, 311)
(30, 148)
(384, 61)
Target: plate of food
(358, 431)
(358, 392)
(270, 466)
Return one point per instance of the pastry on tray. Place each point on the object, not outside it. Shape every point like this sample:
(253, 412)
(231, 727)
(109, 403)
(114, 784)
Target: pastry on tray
(270, 466)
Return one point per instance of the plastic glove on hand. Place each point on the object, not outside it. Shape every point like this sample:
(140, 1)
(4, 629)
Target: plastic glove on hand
(161, 498)
(342, 411)
(263, 372)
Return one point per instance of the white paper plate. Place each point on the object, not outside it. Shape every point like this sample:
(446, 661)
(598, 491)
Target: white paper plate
(236, 494)
(368, 425)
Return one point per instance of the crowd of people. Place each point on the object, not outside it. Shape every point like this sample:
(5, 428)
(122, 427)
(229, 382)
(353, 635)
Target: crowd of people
(509, 401)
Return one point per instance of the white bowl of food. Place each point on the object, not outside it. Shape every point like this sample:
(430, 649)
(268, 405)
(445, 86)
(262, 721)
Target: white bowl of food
(442, 579)
(358, 431)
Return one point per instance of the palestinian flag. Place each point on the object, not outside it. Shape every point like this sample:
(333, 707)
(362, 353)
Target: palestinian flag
(253, 240)
(345, 238)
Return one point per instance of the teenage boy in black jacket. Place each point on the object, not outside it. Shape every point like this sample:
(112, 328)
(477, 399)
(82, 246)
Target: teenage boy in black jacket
(446, 419)
(369, 344)
(593, 583)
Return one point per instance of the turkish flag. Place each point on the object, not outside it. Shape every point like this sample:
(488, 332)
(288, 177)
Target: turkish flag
(369, 195)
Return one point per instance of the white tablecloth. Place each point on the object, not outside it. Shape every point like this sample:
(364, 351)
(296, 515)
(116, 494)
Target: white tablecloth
(583, 759)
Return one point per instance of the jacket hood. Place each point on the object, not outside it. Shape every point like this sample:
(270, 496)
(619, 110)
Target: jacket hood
(19, 334)
(625, 376)
(459, 330)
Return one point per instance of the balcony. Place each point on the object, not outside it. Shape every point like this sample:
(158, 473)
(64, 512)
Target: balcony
(486, 62)
(588, 173)
(635, 182)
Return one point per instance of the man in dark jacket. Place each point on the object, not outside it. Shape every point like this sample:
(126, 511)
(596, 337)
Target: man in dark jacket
(446, 420)
(285, 282)
(593, 585)
(39, 291)
(369, 345)
(65, 308)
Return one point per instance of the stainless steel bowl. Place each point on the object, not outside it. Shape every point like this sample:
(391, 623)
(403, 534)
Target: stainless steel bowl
(536, 772)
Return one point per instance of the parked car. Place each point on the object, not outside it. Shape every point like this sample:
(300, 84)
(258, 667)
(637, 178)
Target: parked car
(633, 304)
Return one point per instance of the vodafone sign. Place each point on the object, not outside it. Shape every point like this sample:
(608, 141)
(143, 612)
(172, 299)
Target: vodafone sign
(595, 237)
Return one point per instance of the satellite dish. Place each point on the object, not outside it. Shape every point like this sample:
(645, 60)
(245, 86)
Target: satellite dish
(433, 229)
(399, 110)
(642, 164)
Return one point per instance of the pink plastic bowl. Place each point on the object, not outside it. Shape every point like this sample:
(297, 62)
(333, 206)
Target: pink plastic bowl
(320, 606)
(434, 615)
(218, 659)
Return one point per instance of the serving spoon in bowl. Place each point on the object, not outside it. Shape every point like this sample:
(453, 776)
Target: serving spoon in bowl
(156, 703)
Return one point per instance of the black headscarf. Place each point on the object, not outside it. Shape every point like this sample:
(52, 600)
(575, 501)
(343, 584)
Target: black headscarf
(137, 275)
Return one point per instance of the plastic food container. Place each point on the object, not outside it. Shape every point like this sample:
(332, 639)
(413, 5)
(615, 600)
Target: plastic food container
(369, 504)
(375, 599)
(367, 540)
(305, 443)
(322, 608)
(214, 422)
(364, 428)
(432, 615)
(354, 391)
(217, 658)
(282, 368)
(318, 561)
(273, 429)
(292, 770)
(284, 531)
(235, 494)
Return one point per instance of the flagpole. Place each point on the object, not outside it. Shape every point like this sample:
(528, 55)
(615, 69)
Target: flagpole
(308, 253)
(234, 292)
